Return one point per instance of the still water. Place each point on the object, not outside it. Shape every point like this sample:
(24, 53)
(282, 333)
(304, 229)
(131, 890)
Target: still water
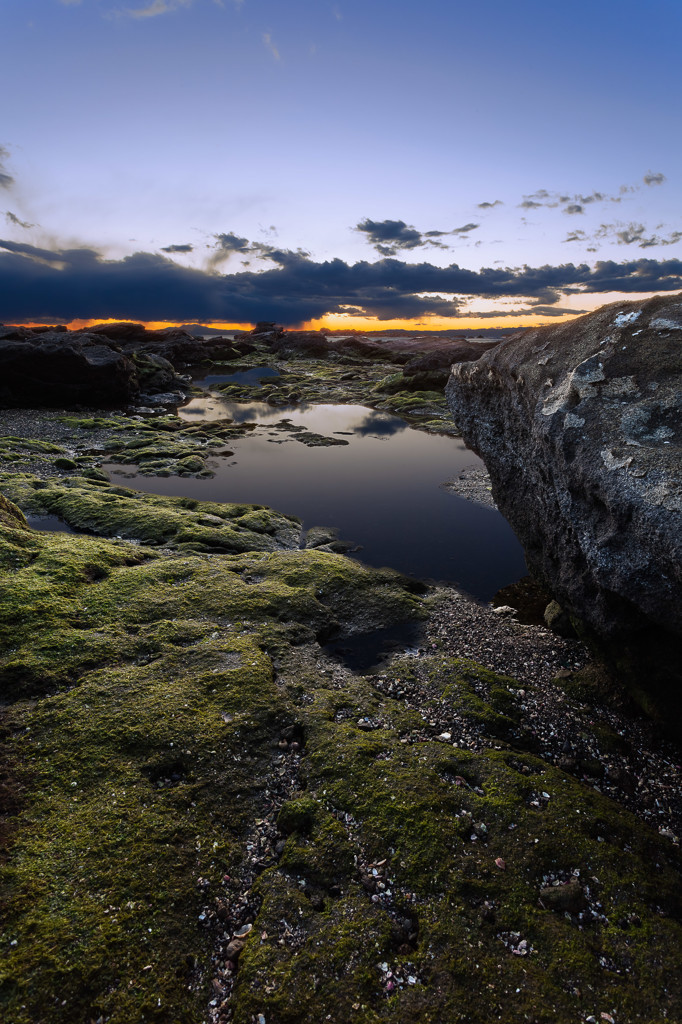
(382, 489)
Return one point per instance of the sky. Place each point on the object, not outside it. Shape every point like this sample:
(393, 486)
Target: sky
(354, 163)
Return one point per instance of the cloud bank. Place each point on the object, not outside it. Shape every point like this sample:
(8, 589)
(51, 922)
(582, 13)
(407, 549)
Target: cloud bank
(45, 284)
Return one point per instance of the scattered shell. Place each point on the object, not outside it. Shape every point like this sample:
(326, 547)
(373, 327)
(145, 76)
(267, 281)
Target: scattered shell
(243, 931)
(501, 864)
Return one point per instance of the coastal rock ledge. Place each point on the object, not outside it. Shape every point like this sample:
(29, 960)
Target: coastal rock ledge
(580, 427)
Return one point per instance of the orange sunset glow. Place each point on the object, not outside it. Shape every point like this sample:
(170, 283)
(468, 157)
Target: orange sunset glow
(340, 322)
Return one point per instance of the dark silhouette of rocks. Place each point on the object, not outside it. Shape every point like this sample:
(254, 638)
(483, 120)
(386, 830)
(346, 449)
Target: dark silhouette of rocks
(580, 426)
(108, 365)
(175, 344)
(47, 370)
(301, 344)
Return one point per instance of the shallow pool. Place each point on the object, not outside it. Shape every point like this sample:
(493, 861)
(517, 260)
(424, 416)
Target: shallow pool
(381, 488)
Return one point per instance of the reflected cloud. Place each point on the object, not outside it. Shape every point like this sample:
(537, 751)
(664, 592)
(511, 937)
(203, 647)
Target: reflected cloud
(379, 424)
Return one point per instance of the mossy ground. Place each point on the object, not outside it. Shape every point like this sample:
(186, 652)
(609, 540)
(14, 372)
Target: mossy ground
(147, 670)
(441, 821)
(145, 691)
(143, 702)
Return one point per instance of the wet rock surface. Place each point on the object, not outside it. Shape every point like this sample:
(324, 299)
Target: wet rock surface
(579, 427)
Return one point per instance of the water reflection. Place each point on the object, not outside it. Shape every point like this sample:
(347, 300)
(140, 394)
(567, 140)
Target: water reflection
(382, 490)
(380, 425)
(52, 524)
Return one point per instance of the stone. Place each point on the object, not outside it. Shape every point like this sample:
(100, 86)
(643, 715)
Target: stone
(176, 345)
(301, 345)
(567, 898)
(58, 370)
(558, 621)
(580, 427)
(234, 948)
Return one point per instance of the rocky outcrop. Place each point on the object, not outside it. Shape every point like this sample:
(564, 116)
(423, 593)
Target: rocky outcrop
(580, 426)
(175, 344)
(109, 364)
(64, 370)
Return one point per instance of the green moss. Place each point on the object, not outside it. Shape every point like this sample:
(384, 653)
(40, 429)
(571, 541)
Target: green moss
(146, 690)
(142, 773)
(20, 450)
(112, 511)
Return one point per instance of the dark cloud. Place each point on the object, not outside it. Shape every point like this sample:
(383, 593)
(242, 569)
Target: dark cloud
(24, 249)
(65, 284)
(576, 203)
(630, 234)
(490, 206)
(178, 248)
(636, 234)
(229, 243)
(626, 234)
(541, 310)
(6, 180)
(388, 236)
(13, 219)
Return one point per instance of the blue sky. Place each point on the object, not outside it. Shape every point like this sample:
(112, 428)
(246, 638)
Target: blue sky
(220, 158)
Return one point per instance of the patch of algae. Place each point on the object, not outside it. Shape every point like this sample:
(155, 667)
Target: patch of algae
(144, 689)
(143, 705)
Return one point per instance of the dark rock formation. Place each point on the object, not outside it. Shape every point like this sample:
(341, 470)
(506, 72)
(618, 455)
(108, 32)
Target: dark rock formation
(301, 345)
(176, 345)
(106, 365)
(59, 370)
(580, 426)
(445, 357)
(362, 348)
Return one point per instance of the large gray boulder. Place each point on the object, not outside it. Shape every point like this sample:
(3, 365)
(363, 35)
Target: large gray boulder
(580, 426)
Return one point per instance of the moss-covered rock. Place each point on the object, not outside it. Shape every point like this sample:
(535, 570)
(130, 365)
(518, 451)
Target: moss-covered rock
(111, 511)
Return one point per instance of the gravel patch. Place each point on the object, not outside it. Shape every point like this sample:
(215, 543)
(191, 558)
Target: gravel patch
(473, 484)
